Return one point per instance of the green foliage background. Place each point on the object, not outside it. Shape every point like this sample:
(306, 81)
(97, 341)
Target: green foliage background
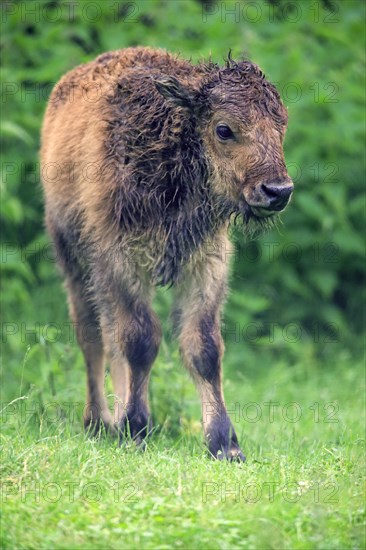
(307, 277)
(293, 324)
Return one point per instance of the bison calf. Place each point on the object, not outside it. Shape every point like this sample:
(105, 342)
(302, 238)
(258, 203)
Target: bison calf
(145, 159)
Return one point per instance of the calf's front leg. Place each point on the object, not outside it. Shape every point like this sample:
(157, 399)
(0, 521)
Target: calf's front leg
(201, 344)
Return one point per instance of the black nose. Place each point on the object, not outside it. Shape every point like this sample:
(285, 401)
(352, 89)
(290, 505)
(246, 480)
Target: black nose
(277, 194)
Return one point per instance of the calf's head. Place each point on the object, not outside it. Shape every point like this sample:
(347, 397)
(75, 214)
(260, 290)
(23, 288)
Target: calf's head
(242, 123)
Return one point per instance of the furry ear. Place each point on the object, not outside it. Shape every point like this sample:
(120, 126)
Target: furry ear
(175, 92)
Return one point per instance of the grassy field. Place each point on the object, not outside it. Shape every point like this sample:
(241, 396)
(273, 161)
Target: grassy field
(301, 427)
(294, 390)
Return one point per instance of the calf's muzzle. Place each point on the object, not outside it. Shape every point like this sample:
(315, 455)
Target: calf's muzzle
(276, 195)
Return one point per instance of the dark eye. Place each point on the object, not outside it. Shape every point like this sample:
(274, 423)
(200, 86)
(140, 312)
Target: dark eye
(224, 132)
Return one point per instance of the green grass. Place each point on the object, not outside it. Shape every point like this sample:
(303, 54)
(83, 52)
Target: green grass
(173, 495)
(301, 487)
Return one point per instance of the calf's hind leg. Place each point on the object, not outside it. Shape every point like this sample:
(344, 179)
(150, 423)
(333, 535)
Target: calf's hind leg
(96, 412)
(131, 335)
(88, 333)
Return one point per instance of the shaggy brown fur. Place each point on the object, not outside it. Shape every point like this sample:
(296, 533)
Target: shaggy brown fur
(140, 187)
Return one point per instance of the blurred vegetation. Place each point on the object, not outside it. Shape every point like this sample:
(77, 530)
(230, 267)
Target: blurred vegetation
(293, 323)
(306, 277)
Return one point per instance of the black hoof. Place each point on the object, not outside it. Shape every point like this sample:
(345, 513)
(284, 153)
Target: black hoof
(136, 425)
(222, 440)
(235, 455)
(231, 455)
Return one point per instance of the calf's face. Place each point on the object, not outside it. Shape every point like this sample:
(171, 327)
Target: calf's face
(245, 149)
(242, 124)
(244, 140)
